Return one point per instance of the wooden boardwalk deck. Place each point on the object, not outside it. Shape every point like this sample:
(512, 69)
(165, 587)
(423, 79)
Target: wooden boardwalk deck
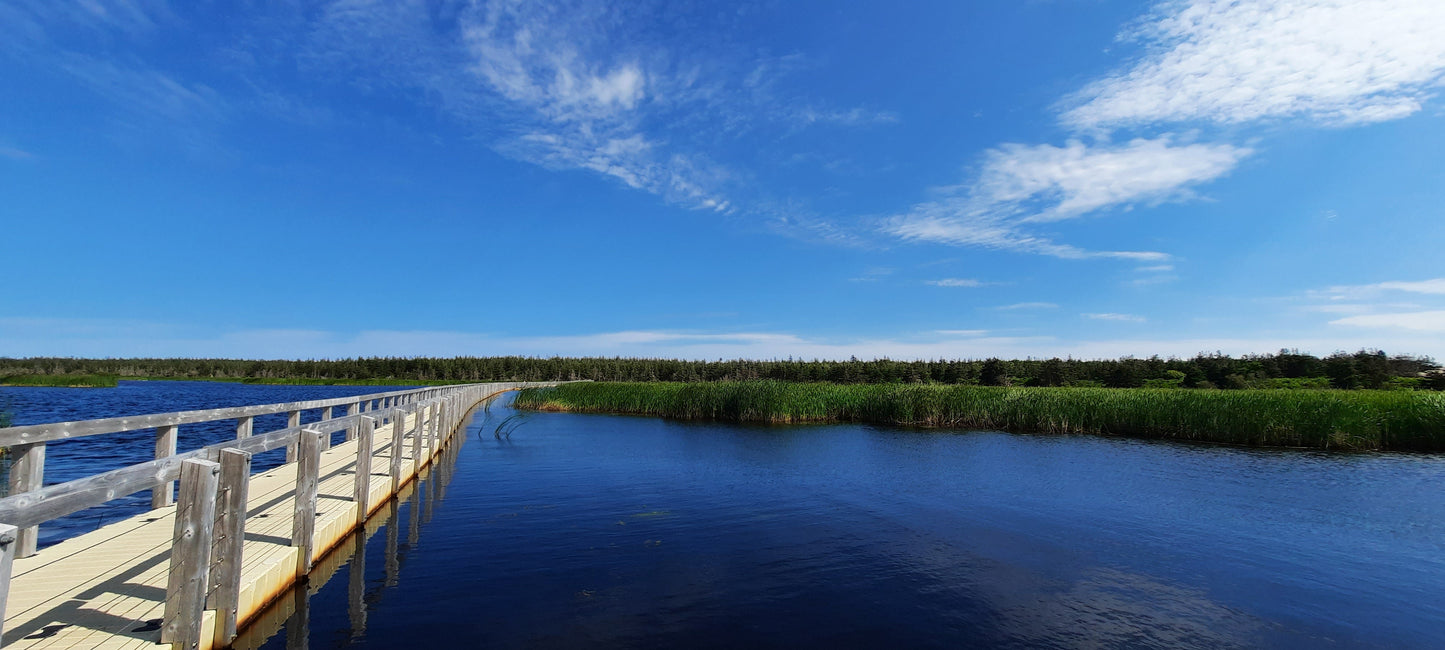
(108, 588)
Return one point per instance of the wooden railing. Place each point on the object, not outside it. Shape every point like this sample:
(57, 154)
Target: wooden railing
(205, 570)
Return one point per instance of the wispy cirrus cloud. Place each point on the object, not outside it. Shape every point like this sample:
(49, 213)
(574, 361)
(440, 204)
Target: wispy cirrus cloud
(1377, 305)
(1122, 318)
(20, 337)
(1210, 61)
(1020, 306)
(1046, 183)
(957, 282)
(578, 92)
(15, 153)
(587, 90)
(1434, 286)
(1417, 321)
(605, 88)
(873, 274)
(1022, 185)
(962, 333)
(1231, 62)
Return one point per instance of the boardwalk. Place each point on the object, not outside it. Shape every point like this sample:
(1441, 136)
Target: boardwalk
(124, 585)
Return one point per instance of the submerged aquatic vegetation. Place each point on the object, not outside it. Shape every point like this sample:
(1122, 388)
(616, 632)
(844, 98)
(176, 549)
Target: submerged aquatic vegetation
(1324, 419)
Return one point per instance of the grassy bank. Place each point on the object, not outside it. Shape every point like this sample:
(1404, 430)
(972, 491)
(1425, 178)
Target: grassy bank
(1323, 419)
(61, 381)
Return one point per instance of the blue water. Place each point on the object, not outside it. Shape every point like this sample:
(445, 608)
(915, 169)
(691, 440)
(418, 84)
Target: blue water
(608, 531)
(72, 459)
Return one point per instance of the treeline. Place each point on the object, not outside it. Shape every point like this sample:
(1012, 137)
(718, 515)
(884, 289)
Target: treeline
(1286, 369)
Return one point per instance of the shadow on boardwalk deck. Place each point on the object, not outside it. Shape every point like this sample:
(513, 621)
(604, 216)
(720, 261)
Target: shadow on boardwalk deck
(107, 588)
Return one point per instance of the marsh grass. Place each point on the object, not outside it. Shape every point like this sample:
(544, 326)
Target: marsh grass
(61, 381)
(1322, 419)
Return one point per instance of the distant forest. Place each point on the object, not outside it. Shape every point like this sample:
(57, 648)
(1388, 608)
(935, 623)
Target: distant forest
(1287, 369)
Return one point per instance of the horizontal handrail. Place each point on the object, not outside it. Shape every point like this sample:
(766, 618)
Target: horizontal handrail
(206, 555)
(38, 506)
(33, 433)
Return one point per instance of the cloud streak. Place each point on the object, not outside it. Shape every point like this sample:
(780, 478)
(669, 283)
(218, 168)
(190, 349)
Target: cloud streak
(52, 337)
(1121, 318)
(1218, 62)
(1020, 186)
(1226, 62)
(1418, 321)
(956, 282)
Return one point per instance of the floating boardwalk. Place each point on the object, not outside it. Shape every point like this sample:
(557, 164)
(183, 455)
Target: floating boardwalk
(194, 571)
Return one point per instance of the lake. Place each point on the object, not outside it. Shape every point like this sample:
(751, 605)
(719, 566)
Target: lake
(612, 531)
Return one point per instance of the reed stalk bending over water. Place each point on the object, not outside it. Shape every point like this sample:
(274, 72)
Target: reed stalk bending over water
(1323, 419)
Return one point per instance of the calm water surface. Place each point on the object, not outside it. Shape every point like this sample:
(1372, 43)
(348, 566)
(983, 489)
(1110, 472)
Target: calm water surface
(636, 532)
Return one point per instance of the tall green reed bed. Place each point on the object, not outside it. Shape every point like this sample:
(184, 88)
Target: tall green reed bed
(1323, 419)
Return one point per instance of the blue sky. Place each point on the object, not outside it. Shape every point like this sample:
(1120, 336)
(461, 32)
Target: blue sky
(1091, 178)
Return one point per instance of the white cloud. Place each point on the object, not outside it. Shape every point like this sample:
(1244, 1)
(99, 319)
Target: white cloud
(15, 153)
(1020, 186)
(578, 95)
(1027, 305)
(962, 333)
(956, 282)
(1224, 61)
(1152, 280)
(1418, 321)
(1048, 183)
(1218, 61)
(850, 117)
(81, 338)
(874, 274)
(1124, 318)
(1434, 286)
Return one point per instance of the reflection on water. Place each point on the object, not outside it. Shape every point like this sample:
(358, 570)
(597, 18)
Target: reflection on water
(601, 531)
(292, 613)
(636, 532)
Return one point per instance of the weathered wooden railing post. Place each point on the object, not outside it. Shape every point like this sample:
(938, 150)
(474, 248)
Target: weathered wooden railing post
(190, 554)
(416, 440)
(7, 562)
(430, 413)
(361, 491)
(442, 418)
(244, 426)
(161, 495)
(352, 409)
(224, 595)
(398, 438)
(326, 439)
(293, 420)
(27, 472)
(308, 478)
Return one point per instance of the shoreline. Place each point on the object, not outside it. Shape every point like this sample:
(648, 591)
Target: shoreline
(1287, 419)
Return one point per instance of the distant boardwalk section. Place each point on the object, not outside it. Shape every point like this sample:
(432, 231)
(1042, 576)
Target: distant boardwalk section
(209, 556)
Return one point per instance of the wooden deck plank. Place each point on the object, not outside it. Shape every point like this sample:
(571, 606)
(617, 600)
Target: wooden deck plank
(97, 589)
